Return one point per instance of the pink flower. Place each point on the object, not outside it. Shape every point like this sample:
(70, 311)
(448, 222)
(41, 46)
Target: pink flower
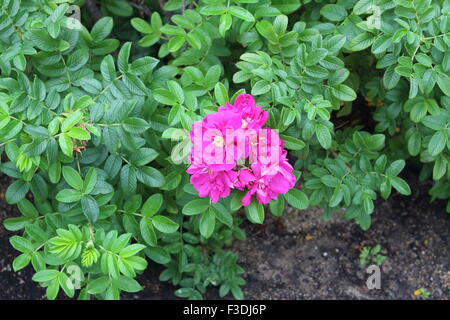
(216, 185)
(253, 117)
(266, 148)
(231, 150)
(244, 178)
(215, 141)
(269, 182)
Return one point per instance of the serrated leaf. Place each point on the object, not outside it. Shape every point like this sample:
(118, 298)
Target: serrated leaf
(164, 224)
(297, 199)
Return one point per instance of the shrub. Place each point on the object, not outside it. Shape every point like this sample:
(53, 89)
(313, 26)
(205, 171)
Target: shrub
(89, 113)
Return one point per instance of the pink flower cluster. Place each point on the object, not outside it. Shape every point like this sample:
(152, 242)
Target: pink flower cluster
(232, 150)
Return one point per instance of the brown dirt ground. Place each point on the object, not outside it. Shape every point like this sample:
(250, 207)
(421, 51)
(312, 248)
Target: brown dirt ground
(300, 256)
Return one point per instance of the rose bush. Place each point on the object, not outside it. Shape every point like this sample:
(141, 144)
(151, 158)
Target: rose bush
(95, 116)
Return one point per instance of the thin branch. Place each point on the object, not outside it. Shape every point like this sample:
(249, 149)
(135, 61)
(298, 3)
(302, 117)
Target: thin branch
(143, 9)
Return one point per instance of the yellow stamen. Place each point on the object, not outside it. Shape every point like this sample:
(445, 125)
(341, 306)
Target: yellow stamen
(244, 124)
(218, 141)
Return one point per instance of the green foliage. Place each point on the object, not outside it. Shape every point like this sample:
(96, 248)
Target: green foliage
(422, 292)
(371, 255)
(87, 125)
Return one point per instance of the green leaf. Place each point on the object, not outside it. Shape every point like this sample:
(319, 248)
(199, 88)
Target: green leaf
(361, 41)
(173, 30)
(53, 289)
(390, 78)
(131, 250)
(158, 254)
(375, 141)
(147, 232)
(439, 168)
(150, 177)
(83, 103)
(213, 9)
(135, 125)
(45, 275)
(364, 220)
(277, 206)
(15, 224)
(98, 285)
(400, 185)
(207, 223)
(194, 41)
(333, 12)
(152, 205)
(437, 143)
(286, 6)
(265, 28)
(255, 212)
(337, 197)
(237, 293)
(141, 25)
(221, 93)
(127, 284)
(212, 76)
(101, 29)
(176, 90)
(66, 284)
(17, 191)
(108, 69)
(419, 111)
(21, 261)
(381, 44)
(173, 179)
(21, 244)
(443, 82)
(297, 199)
(343, 92)
(368, 206)
(423, 59)
(90, 181)
(143, 65)
(414, 143)
(77, 59)
(260, 87)
(330, 181)
(66, 144)
(27, 209)
(323, 135)
(165, 97)
(225, 23)
(241, 13)
(395, 167)
(222, 214)
(143, 156)
(292, 143)
(69, 195)
(79, 133)
(196, 206)
(315, 56)
(90, 208)
(71, 120)
(72, 177)
(123, 57)
(175, 43)
(128, 179)
(164, 224)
